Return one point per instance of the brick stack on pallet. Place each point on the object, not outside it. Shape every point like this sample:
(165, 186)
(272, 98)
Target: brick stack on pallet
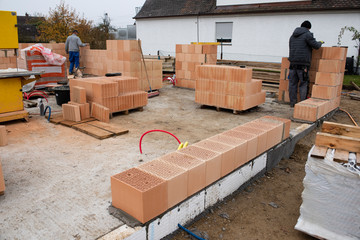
(329, 64)
(227, 87)
(105, 96)
(331, 193)
(188, 56)
(154, 73)
(150, 189)
(123, 56)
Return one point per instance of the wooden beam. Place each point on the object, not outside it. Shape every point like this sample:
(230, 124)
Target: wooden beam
(341, 129)
(341, 156)
(319, 152)
(338, 142)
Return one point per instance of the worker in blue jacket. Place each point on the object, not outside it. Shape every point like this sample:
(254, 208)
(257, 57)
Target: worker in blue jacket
(72, 45)
(301, 44)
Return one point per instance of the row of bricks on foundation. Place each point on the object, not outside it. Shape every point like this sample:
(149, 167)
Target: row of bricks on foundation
(150, 189)
(312, 109)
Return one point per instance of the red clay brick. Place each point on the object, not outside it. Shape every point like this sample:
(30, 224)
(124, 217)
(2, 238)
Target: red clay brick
(212, 160)
(140, 99)
(196, 170)
(261, 136)
(84, 109)
(100, 112)
(240, 146)
(174, 176)
(274, 130)
(71, 112)
(79, 95)
(330, 66)
(252, 140)
(287, 125)
(227, 154)
(329, 79)
(140, 194)
(324, 92)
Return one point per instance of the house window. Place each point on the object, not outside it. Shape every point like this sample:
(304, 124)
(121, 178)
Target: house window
(223, 32)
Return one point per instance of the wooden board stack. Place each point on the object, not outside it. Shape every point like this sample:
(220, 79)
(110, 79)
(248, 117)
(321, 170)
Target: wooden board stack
(110, 95)
(341, 138)
(2, 181)
(227, 87)
(329, 65)
(3, 136)
(188, 56)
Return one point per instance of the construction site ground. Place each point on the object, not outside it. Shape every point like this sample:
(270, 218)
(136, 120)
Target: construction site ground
(58, 179)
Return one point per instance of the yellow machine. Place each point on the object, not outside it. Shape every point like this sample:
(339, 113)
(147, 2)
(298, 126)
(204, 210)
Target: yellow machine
(11, 96)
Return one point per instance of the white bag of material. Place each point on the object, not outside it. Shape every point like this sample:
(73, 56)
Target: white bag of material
(331, 199)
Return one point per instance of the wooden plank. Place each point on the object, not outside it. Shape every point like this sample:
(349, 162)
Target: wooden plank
(341, 129)
(319, 152)
(56, 119)
(357, 158)
(338, 142)
(93, 131)
(117, 130)
(341, 156)
(69, 123)
(23, 114)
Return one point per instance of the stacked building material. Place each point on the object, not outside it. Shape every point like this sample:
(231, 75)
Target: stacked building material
(151, 74)
(284, 81)
(331, 186)
(111, 95)
(329, 65)
(123, 56)
(2, 181)
(3, 136)
(227, 87)
(150, 189)
(188, 56)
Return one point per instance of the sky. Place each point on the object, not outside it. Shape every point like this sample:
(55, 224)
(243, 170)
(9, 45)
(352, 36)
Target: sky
(120, 12)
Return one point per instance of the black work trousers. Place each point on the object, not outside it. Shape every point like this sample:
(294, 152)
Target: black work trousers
(298, 78)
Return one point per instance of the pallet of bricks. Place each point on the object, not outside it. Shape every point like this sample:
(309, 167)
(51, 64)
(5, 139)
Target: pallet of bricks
(124, 56)
(103, 96)
(150, 189)
(188, 56)
(227, 87)
(7, 59)
(331, 196)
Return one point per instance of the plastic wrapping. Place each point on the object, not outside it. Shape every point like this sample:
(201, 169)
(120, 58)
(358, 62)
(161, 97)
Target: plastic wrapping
(50, 57)
(331, 199)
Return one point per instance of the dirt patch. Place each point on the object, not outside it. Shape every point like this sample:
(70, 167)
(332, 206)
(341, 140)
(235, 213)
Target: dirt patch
(269, 207)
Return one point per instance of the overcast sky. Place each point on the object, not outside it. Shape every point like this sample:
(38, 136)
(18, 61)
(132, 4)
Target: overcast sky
(120, 12)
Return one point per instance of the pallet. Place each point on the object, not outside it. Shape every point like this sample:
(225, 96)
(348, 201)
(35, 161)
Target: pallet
(91, 127)
(9, 116)
(218, 109)
(126, 112)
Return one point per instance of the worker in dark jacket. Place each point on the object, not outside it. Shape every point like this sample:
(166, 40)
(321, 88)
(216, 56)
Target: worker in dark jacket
(72, 45)
(301, 44)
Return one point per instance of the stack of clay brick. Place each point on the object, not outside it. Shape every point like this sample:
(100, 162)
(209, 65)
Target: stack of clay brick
(105, 96)
(329, 65)
(7, 59)
(3, 142)
(188, 56)
(150, 189)
(227, 87)
(284, 81)
(123, 56)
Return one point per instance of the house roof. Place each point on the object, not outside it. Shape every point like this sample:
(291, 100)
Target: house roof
(178, 8)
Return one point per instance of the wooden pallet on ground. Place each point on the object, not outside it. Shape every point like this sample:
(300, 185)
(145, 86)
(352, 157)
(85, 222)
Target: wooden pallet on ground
(234, 111)
(91, 127)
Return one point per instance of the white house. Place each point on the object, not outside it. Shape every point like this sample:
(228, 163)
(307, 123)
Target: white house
(253, 30)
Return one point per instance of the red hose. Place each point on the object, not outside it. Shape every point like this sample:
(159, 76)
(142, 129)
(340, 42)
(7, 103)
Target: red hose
(37, 94)
(39, 91)
(156, 130)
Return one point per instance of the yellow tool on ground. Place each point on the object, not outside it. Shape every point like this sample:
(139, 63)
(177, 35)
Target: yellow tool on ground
(183, 145)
